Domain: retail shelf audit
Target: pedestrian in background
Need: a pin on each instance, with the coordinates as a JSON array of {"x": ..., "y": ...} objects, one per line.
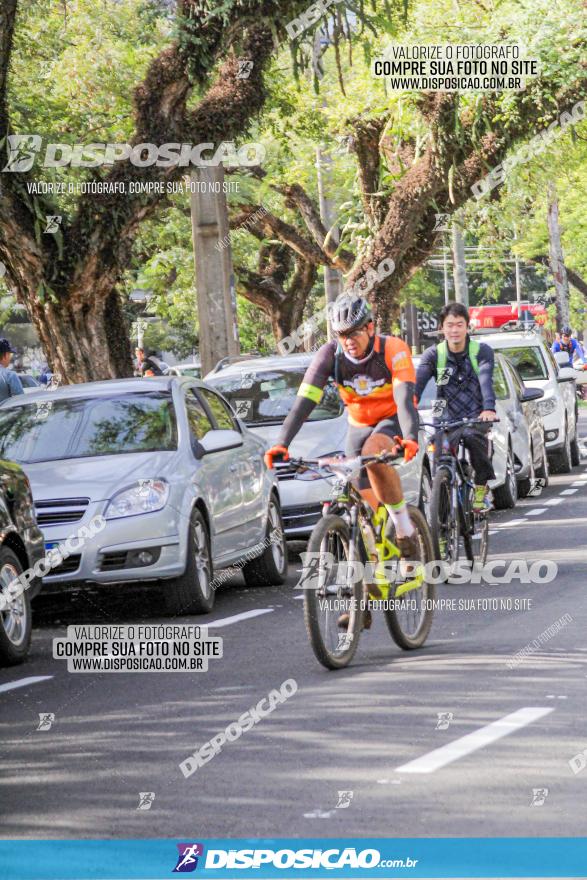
[
  {"x": 139, "y": 358},
  {"x": 10, "y": 384}
]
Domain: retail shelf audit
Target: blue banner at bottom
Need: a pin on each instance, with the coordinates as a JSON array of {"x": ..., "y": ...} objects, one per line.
[{"x": 292, "y": 858}]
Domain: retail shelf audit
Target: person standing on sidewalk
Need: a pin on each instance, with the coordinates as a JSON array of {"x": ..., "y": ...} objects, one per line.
[{"x": 10, "y": 384}]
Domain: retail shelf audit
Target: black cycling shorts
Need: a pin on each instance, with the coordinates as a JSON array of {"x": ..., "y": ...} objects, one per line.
[{"x": 357, "y": 436}]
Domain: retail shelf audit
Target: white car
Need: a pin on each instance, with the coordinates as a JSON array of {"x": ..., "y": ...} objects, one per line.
[
  {"x": 180, "y": 483},
  {"x": 262, "y": 392},
  {"x": 192, "y": 369},
  {"x": 538, "y": 368}
]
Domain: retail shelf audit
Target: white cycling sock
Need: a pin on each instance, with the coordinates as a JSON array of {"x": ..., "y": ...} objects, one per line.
[{"x": 404, "y": 527}]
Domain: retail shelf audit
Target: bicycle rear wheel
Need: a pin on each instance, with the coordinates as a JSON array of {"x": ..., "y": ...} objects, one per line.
[
  {"x": 408, "y": 616},
  {"x": 444, "y": 520},
  {"x": 334, "y": 590}
]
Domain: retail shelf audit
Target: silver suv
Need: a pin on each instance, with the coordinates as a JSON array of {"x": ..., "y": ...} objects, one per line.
[{"x": 538, "y": 368}]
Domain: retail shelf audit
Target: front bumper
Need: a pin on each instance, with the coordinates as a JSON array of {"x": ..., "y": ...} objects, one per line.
[
  {"x": 108, "y": 556},
  {"x": 301, "y": 504},
  {"x": 553, "y": 429}
]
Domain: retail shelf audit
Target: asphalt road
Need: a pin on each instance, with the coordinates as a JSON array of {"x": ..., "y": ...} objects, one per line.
[{"x": 116, "y": 735}]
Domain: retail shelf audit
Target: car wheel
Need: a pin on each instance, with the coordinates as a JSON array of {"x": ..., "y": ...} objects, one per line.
[
  {"x": 193, "y": 592},
  {"x": 563, "y": 460},
  {"x": 505, "y": 497},
  {"x": 524, "y": 486},
  {"x": 15, "y": 620},
  {"x": 425, "y": 493},
  {"x": 270, "y": 567},
  {"x": 575, "y": 453},
  {"x": 543, "y": 471}
]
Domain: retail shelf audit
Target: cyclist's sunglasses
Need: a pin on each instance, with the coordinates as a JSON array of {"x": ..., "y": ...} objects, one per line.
[{"x": 353, "y": 334}]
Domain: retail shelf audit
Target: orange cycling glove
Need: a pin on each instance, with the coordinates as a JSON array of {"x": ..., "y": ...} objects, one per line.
[
  {"x": 410, "y": 448},
  {"x": 278, "y": 452}
]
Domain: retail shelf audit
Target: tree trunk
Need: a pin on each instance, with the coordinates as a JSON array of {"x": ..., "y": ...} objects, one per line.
[{"x": 86, "y": 343}]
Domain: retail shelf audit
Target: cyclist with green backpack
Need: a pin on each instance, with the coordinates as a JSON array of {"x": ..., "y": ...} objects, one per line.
[{"x": 463, "y": 369}]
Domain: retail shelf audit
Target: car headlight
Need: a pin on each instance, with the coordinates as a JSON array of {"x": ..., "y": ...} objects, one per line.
[
  {"x": 146, "y": 496},
  {"x": 317, "y": 475},
  {"x": 547, "y": 406}
]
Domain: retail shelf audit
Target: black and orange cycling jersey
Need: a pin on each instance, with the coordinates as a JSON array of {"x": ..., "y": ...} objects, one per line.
[{"x": 378, "y": 386}]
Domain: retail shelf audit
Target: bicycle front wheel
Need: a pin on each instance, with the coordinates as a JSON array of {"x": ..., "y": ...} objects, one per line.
[
  {"x": 444, "y": 519},
  {"x": 334, "y": 588},
  {"x": 409, "y": 615}
]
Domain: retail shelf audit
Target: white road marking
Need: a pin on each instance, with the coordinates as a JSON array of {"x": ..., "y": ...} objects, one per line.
[
  {"x": 552, "y": 502},
  {"x": 514, "y": 522},
  {"x": 23, "y": 682},
  {"x": 579, "y": 483},
  {"x": 536, "y": 512},
  {"x": 473, "y": 741},
  {"x": 493, "y": 532},
  {"x": 298, "y": 597},
  {"x": 568, "y": 491},
  {"x": 236, "y": 618}
]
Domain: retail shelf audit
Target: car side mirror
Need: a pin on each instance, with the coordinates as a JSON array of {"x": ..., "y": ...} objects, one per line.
[
  {"x": 531, "y": 394},
  {"x": 566, "y": 374},
  {"x": 220, "y": 440}
]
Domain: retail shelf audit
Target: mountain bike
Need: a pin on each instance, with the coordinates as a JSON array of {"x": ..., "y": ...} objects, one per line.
[
  {"x": 340, "y": 570},
  {"x": 451, "y": 500}
]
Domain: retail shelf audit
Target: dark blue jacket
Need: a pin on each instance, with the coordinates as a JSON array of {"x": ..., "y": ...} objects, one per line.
[{"x": 466, "y": 394}]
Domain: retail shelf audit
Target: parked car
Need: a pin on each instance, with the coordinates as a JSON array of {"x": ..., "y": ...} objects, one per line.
[
  {"x": 513, "y": 435},
  {"x": 538, "y": 368},
  {"x": 21, "y": 547},
  {"x": 193, "y": 369},
  {"x": 180, "y": 482},
  {"x": 262, "y": 392},
  {"x": 523, "y": 412}
]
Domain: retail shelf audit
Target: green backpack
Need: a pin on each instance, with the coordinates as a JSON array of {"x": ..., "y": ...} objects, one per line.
[{"x": 442, "y": 357}]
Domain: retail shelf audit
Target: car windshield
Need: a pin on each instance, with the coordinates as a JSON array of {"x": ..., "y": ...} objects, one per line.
[
  {"x": 266, "y": 397},
  {"x": 54, "y": 429},
  {"x": 528, "y": 360},
  {"x": 27, "y": 381}
]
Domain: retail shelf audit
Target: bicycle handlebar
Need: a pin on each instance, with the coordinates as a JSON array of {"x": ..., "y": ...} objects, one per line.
[
  {"x": 330, "y": 461},
  {"x": 460, "y": 423}
]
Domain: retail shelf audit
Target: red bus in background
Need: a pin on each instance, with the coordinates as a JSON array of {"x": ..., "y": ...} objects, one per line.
[{"x": 495, "y": 316}]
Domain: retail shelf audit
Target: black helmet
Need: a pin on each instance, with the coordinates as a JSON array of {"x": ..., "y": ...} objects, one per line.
[
  {"x": 5, "y": 347},
  {"x": 566, "y": 331},
  {"x": 350, "y": 313}
]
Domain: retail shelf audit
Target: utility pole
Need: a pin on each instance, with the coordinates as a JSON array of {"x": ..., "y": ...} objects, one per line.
[
  {"x": 445, "y": 268},
  {"x": 333, "y": 283},
  {"x": 459, "y": 266},
  {"x": 518, "y": 278},
  {"x": 557, "y": 264},
  {"x": 332, "y": 276},
  {"x": 214, "y": 273}
]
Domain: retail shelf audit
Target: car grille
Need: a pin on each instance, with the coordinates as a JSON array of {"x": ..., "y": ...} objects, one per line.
[
  {"x": 301, "y": 516},
  {"x": 68, "y": 566},
  {"x": 285, "y": 470},
  {"x": 58, "y": 511}
]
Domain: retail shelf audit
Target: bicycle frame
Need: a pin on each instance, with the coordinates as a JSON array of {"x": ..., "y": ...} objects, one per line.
[{"x": 455, "y": 461}]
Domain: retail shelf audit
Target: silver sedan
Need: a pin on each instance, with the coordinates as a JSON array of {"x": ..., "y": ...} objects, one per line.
[{"x": 179, "y": 482}]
